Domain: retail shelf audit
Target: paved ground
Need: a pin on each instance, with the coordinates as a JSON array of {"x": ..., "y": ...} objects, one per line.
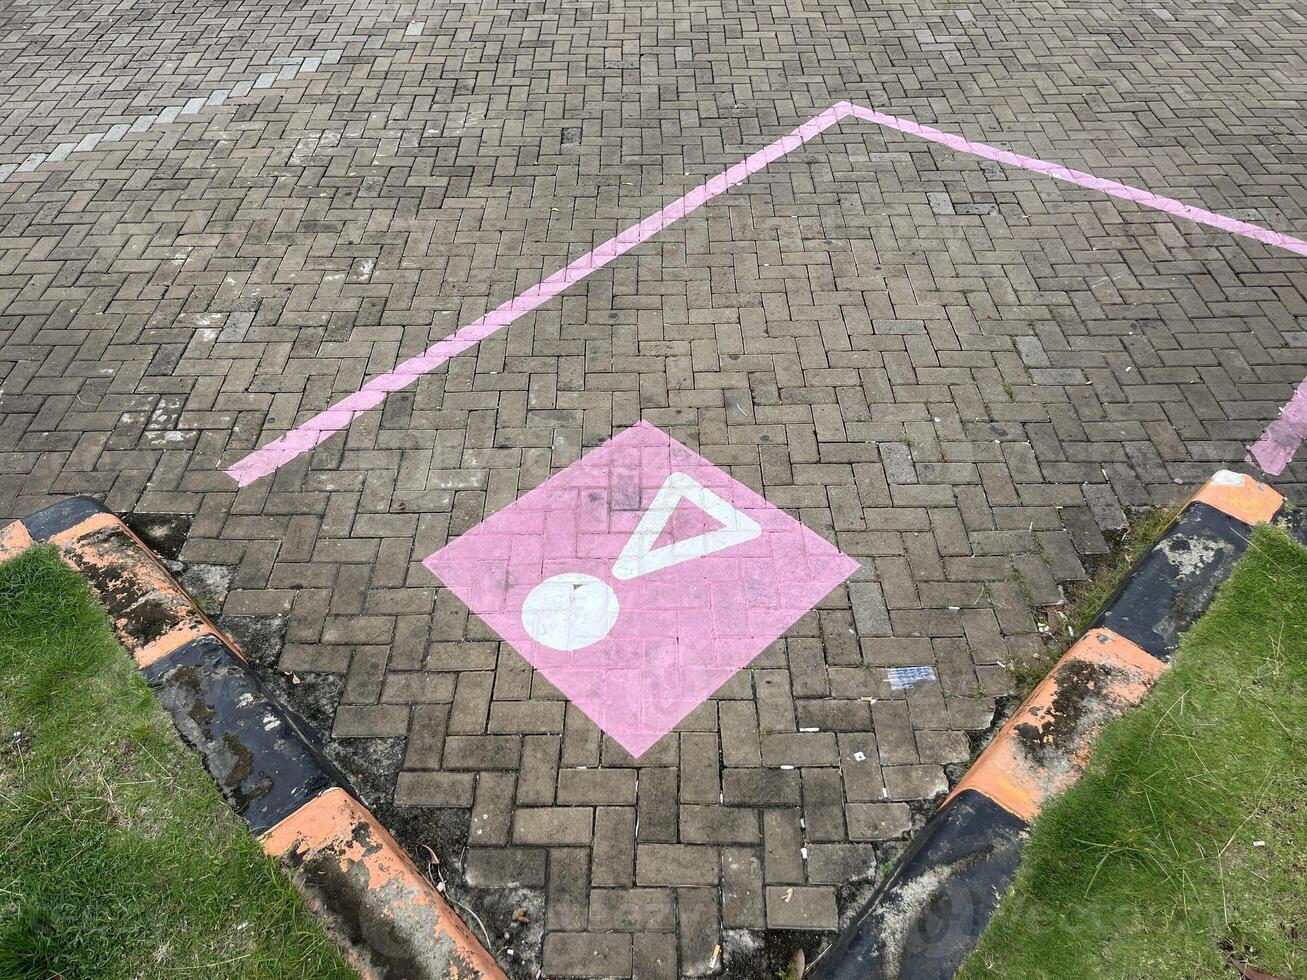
[{"x": 217, "y": 219}]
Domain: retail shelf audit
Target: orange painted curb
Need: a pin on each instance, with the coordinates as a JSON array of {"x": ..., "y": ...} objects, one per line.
[
  {"x": 389, "y": 918},
  {"x": 93, "y": 523},
  {"x": 135, "y": 588},
  {"x": 1045, "y": 745},
  {"x": 1240, "y": 496},
  {"x": 14, "y": 540},
  {"x": 158, "y": 649}
]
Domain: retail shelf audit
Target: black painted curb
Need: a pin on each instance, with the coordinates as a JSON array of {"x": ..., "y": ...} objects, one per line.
[
  {"x": 927, "y": 916},
  {"x": 45, "y": 523},
  {"x": 1173, "y": 583},
  {"x": 922, "y": 923},
  {"x": 257, "y": 751}
]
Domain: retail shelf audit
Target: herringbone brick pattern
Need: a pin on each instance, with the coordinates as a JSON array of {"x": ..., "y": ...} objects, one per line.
[{"x": 963, "y": 376}]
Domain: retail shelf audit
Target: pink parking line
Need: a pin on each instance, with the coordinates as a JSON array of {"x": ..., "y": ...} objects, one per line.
[
  {"x": 1124, "y": 191},
  {"x": 281, "y": 451},
  {"x": 1279, "y": 443},
  {"x": 320, "y": 427}
]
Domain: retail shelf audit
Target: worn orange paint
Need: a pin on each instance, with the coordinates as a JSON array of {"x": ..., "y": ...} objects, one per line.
[
  {"x": 166, "y": 644},
  {"x": 14, "y": 540},
  {"x": 1240, "y": 496},
  {"x": 1007, "y": 773},
  {"x": 333, "y": 827},
  {"x": 93, "y": 523},
  {"x": 147, "y": 576}
]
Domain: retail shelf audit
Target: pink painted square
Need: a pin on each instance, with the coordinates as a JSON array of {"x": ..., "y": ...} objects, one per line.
[{"x": 639, "y": 580}]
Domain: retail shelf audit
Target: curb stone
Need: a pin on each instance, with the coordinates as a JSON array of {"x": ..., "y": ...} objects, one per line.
[
  {"x": 926, "y": 917},
  {"x": 388, "y": 919}
]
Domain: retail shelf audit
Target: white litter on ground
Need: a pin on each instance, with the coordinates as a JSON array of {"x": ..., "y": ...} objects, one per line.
[{"x": 901, "y": 678}]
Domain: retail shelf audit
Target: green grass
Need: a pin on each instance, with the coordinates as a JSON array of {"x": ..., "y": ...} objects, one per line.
[
  {"x": 1187, "y": 838},
  {"x": 117, "y": 856}
]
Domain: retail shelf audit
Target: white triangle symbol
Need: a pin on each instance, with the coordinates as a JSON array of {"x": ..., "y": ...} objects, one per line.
[{"x": 640, "y": 557}]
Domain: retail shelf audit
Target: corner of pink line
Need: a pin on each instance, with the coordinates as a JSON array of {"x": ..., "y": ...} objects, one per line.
[{"x": 864, "y": 112}]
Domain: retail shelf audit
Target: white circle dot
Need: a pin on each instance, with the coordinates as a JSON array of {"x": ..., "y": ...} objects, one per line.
[{"x": 569, "y": 611}]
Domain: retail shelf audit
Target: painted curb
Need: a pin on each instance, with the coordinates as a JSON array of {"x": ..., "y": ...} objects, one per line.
[
  {"x": 221, "y": 711},
  {"x": 342, "y": 859},
  {"x": 388, "y": 919},
  {"x": 926, "y": 917}
]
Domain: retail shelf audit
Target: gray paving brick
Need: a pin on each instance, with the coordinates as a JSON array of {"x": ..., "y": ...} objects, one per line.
[
  {"x": 633, "y": 909},
  {"x": 588, "y": 954},
  {"x": 498, "y": 867},
  {"x": 654, "y": 956},
  {"x": 700, "y": 768},
  {"x": 742, "y": 896},
  {"x": 915, "y": 782},
  {"x": 675, "y": 864},
  {"x": 538, "y": 774},
  {"x": 435, "y": 789},
  {"x": 716, "y": 824},
  {"x": 799, "y": 749},
  {"x": 553, "y": 825},
  {"x": 492, "y": 809},
  {"x": 698, "y": 931},
  {"x": 760, "y": 787},
  {"x": 370, "y": 720},
  {"x": 795, "y": 907},
  {"x": 782, "y": 845},
  {"x": 823, "y": 804},
  {"x": 656, "y": 810},
  {"x": 482, "y": 752},
  {"x": 590, "y": 786},
  {"x": 614, "y": 846},
  {"x": 840, "y": 864},
  {"x": 567, "y": 901}
]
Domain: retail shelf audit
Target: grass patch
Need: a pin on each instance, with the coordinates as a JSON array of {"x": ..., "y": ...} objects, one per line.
[
  {"x": 1186, "y": 841},
  {"x": 117, "y": 856}
]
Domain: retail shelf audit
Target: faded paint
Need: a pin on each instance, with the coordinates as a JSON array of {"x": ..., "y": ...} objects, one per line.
[
  {"x": 1135, "y": 195},
  {"x": 902, "y": 678},
  {"x": 1189, "y": 556},
  {"x": 1279, "y": 443},
  {"x": 14, "y": 540},
  {"x": 1045, "y": 745},
  {"x": 95, "y": 522},
  {"x": 151, "y": 614},
  {"x": 141, "y": 123},
  {"x": 388, "y": 918}
]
